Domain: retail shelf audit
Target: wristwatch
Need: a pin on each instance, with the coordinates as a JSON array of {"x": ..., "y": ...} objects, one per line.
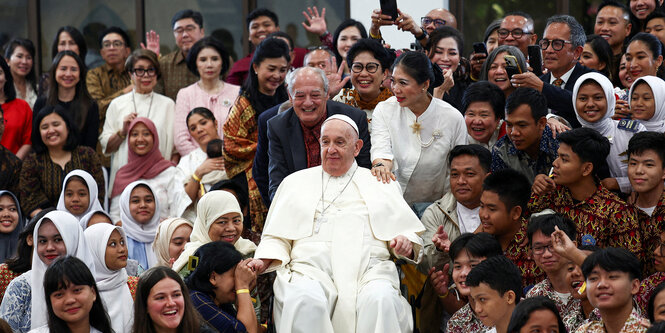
[{"x": 423, "y": 36}]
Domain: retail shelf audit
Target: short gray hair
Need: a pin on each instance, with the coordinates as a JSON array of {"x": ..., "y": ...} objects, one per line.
[
  {"x": 330, "y": 54},
  {"x": 577, "y": 34},
  {"x": 291, "y": 78}
]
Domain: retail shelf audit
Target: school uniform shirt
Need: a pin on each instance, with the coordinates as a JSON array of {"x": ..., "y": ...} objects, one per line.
[
  {"x": 651, "y": 225},
  {"x": 565, "y": 303}
]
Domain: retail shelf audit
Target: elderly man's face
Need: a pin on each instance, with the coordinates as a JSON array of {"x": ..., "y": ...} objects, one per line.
[
  {"x": 309, "y": 97},
  {"x": 339, "y": 147},
  {"x": 519, "y": 25},
  {"x": 321, "y": 59}
]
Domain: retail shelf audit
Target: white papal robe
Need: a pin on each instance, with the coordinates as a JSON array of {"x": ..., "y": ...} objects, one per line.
[{"x": 334, "y": 272}]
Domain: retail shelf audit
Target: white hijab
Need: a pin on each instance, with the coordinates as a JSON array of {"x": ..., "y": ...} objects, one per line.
[
  {"x": 92, "y": 191},
  {"x": 86, "y": 218},
  {"x": 210, "y": 207},
  {"x": 657, "y": 85},
  {"x": 72, "y": 236},
  {"x": 111, "y": 284},
  {"x": 605, "y": 125},
  {"x": 144, "y": 233},
  {"x": 163, "y": 238}
]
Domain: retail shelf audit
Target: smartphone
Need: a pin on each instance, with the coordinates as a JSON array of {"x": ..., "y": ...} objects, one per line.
[
  {"x": 512, "y": 67},
  {"x": 479, "y": 48},
  {"x": 535, "y": 59},
  {"x": 389, "y": 7}
]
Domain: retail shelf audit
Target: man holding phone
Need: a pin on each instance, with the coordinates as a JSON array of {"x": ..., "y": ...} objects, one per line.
[
  {"x": 435, "y": 18},
  {"x": 562, "y": 45}
]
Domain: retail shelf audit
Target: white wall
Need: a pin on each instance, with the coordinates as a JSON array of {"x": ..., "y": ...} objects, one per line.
[{"x": 361, "y": 10}]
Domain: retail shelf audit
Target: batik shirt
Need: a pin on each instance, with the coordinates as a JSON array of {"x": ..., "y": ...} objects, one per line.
[
  {"x": 567, "y": 309},
  {"x": 646, "y": 289},
  {"x": 632, "y": 325},
  {"x": 518, "y": 252},
  {"x": 505, "y": 155},
  {"x": 602, "y": 219},
  {"x": 650, "y": 228}
]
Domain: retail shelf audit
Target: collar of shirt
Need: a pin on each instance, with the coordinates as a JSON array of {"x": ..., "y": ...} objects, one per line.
[{"x": 563, "y": 77}]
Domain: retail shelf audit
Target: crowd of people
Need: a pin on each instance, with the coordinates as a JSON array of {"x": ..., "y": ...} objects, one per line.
[{"x": 346, "y": 187}]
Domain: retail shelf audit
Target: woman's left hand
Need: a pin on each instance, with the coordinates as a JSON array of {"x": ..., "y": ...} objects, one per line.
[
  {"x": 621, "y": 110},
  {"x": 448, "y": 83},
  {"x": 244, "y": 275}
]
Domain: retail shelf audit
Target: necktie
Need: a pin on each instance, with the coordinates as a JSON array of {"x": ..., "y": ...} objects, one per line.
[{"x": 558, "y": 82}]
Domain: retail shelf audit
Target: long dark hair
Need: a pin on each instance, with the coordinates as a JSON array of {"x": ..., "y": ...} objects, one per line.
[
  {"x": 269, "y": 48},
  {"x": 8, "y": 89},
  {"x": 418, "y": 66},
  {"x": 30, "y": 47},
  {"x": 76, "y": 35},
  {"x": 72, "y": 135},
  {"x": 82, "y": 100},
  {"x": 142, "y": 320},
  {"x": 603, "y": 51},
  {"x": 72, "y": 271},
  {"x": 345, "y": 24},
  {"x": 22, "y": 261}
]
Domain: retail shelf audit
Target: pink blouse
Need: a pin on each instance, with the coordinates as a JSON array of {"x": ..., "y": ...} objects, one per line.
[{"x": 192, "y": 97}]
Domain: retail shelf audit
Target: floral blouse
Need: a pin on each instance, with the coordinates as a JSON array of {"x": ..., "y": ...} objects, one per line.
[
  {"x": 16, "y": 305},
  {"x": 465, "y": 320}
]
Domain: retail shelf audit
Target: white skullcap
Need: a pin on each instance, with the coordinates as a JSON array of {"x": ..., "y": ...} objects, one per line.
[{"x": 345, "y": 119}]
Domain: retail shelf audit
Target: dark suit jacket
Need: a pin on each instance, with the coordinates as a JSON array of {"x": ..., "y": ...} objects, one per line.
[
  {"x": 260, "y": 166},
  {"x": 287, "y": 146},
  {"x": 561, "y": 100}
]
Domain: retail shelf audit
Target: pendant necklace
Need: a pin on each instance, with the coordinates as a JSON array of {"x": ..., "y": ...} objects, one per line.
[
  {"x": 149, "y": 107},
  {"x": 322, "y": 219}
]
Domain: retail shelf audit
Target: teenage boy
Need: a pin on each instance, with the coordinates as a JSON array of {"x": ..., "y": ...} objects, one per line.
[
  {"x": 601, "y": 217},
  {"x": 612, "y": 279},
  {"x": 467, "y": 251},
  {"x": 646, "y": 172},
  {"x": 502, "y": 208},
  {"x": 496, "y": 288},
  {"x": 555, "y": 285},
  {"x": 529, "y": 145}
]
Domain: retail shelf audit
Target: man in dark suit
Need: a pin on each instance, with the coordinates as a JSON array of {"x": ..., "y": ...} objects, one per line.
[
  {"x": 562, "y": 45},
  {"x": 293, "y": 135}
]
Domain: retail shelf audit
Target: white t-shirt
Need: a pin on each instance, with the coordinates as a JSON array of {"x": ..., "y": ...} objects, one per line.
[
  {"x": 648, "y": 210},
  {"x": 468, "y": 218}
]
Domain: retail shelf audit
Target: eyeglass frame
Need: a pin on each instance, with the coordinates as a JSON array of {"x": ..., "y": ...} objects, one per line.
[
  {"x": 431, "y": 20},
  {"x": 188, "y": 28},
  {"x": 551, "y": 42},
  {"x": 116, "y": 44},
  {"x": 141, "y": 72},
  {"x": 513, "y": 32},
  {"x": 540, "y": 250},
  {"x": 364, "y": 67}
]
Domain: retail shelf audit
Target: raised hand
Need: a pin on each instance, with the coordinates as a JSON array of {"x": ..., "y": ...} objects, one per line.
[
  {"x": 440, "y": 280},
  {"x": 316, "y": 23},
  {"x": 151, "y": 41},
  {"x": 441, "y": 240}
]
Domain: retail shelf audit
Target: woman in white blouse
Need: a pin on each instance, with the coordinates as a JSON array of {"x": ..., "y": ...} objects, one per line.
[
  {"x": 140, "y": 102},
  {"x": 207, "y": 60},
  {"x": 412, "y": 132}
]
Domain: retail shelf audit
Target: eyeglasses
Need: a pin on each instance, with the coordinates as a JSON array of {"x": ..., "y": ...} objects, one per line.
[
  {"x": 437, "y": 22},
  {"x": 517, "y": 33},
  {"x": 539, "y": 250},
  {"x": 116, "y": 43},
  {"x": 190, "y": 28},
  {"x": 142, "y": 71},
  {"x": 371, "y": 67},
  {"x": 557, "y": 44}
]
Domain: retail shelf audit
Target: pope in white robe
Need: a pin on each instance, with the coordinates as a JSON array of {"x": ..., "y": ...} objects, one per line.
[{"x": 330, "y": 235}]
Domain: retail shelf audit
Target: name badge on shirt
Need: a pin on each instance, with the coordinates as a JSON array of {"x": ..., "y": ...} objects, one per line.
[{"x": 628, "y": 125}]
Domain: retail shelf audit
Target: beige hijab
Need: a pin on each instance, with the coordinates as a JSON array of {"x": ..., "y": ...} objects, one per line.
[{"x": 163, "y": 238}]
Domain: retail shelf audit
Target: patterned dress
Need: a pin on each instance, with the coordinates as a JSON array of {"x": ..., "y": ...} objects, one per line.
[
  {"x": 632, "y": 325},
  {"x": 240, "y": 137},
  {"x": 566, "y": 309},
  {"x": 603, "y": 218}
]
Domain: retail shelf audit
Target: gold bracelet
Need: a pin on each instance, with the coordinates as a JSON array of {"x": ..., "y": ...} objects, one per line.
[
  {"x": 198, "y": 180},
  {"x": 202, "y": 188},
  {"x": 373, "y": 36},
  {"x": 445, "y": 295},
  {"x": 242, "y": 291}
]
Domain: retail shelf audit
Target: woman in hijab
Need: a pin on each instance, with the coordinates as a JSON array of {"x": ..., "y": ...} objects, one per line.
[
  {"x": 10, "y": 211},
  {"x": 145, "y": 162},
  {"x": 94, "y": 217},
  {"x": 594, "y": 102},
  {"x": 219, "y": 219},
  {"x": 57, "y": 234},
  {"x": 172, "y": 236},
  {"x": 79, "y": 194},
  {"x": 138, "y": 213},
  {"x": 647, "y": 102},
  {"x": 108, "y": 245}
]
